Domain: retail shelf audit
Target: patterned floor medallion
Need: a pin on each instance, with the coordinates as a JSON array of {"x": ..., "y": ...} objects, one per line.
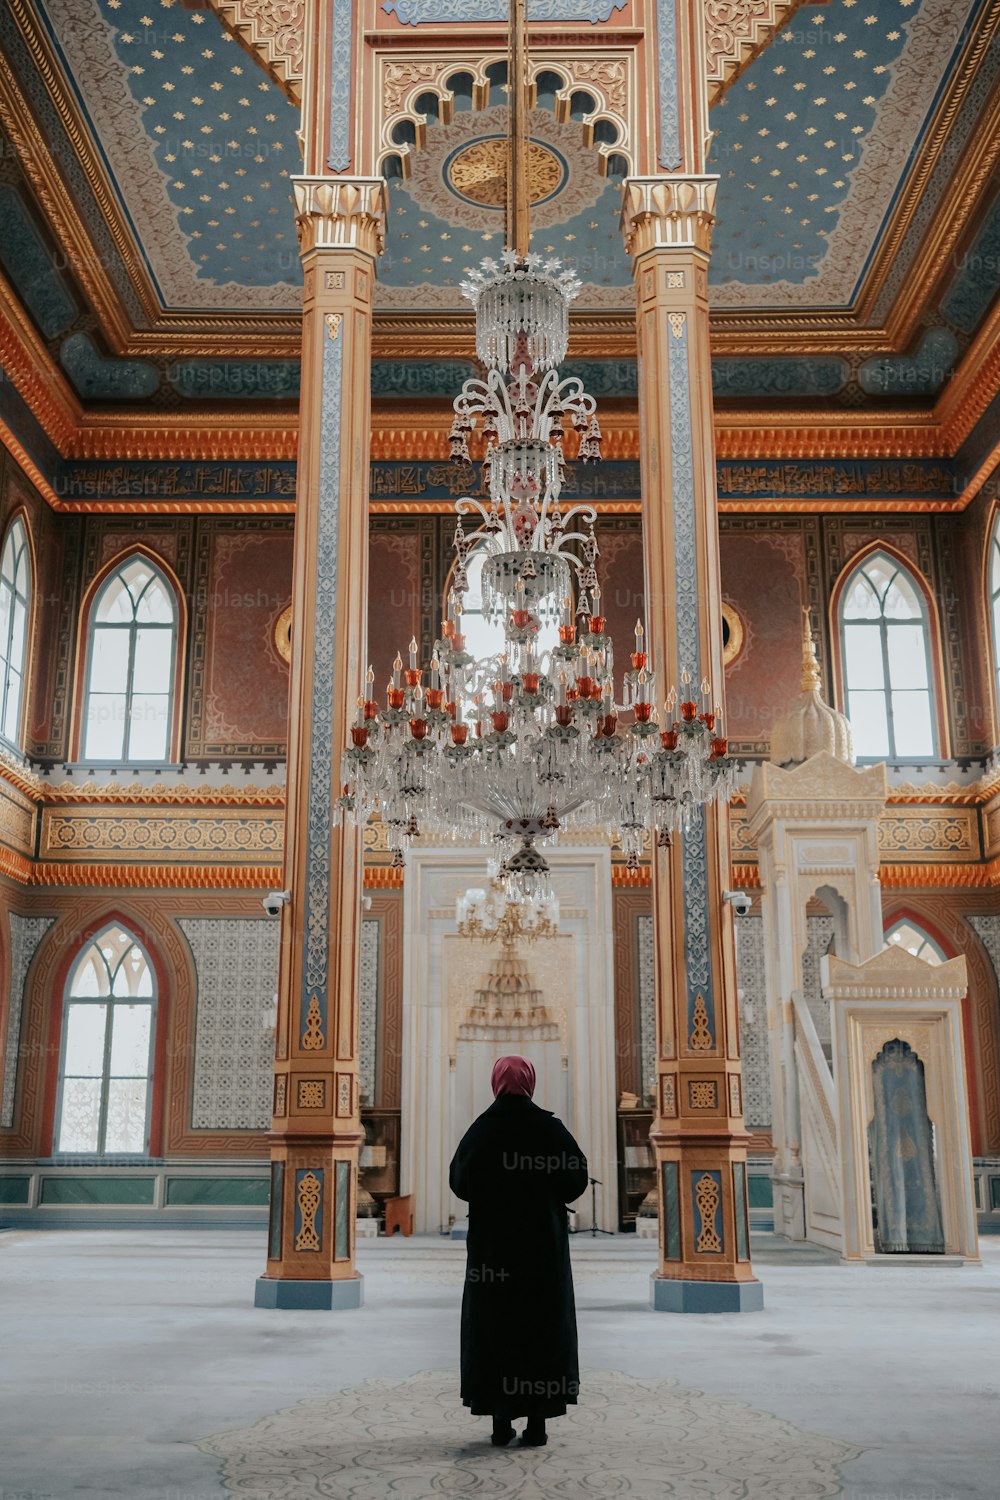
[{"x": 411, "y": 1440}]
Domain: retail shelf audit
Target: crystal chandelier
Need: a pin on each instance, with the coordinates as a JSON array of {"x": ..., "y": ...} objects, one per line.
[
  {"x": 496, "y": 914},
  {"x": 519, "y": 745}
]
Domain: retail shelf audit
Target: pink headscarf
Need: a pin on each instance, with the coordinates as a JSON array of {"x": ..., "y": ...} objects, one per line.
[{"x": 513, "y": 1075}]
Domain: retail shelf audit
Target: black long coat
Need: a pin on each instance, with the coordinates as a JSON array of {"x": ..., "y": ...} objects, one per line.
[{"x": 518, "y": 1167}]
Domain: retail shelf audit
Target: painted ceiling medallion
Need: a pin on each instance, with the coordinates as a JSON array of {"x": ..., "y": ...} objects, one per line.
[{"x": 478, "y": 172}]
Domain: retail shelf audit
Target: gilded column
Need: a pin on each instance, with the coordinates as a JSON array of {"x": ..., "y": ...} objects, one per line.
[
  {"x": 316, "y": 1129},
  {"x": 698, "y": 1131}
]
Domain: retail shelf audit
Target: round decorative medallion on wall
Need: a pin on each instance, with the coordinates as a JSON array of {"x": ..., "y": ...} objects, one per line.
[
  {"x": 478, "y": 172},
  {"x": 283, "y": 634},
  {"x": 733, "y": 633}
]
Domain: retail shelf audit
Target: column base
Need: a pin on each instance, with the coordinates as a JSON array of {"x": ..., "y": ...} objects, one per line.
[
  {"x": 668, "y": 1295},
  {"x": 326, "y": 1295}
]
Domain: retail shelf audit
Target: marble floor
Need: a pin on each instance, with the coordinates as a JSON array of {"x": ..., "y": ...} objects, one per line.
[{"x": 132, "y": 1363}]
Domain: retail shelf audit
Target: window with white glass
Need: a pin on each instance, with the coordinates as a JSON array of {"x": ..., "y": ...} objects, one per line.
[
  {"x": 907, "y": 935},
  {"x": 484, "y": 639},
  {"x": 132, "y": 647},
  {"x": 15, "y": 602},
  {"x": 995, "y": 603},
  {"x": 105, "y": 1075},
  {"x": 886, "y": 656}
]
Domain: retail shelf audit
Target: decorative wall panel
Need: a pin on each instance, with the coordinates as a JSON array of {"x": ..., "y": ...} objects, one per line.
[
  {"x": 25, "y": 935},
  {"x": 768, "y": 574},
  {"x": 163, "y": 833},
  {"x": 236, "y": 961},
  {"x": 368, "y": 984},
  {"x": 751, "y": 980},
  {"x": 238, "y": 700},
  {"x": 647, "y": 1003}
]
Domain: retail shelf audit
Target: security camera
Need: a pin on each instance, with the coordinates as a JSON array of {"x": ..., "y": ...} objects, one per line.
[
  {"x": 739, "y": 901},
  {"x": 274, "y": 901}
]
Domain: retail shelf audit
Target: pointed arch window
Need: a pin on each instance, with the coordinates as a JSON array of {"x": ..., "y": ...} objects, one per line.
[
  {"x": 887, "y": 663},
  {"x": 15, "y": 606},
  {"x": 995, "y": 605},
  {"x": 105, "y": 1075},
  {"x": 131, "y": 655},
  {"x": 905, "y": 933}
]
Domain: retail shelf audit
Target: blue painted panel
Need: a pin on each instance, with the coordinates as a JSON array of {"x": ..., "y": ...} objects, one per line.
[
  {"x": 975, "y": 283},
  {"x": 762, "y": 378},
  {"x": 96, "y": 377},
  {"x": 671, "y": 1211},
  {"x": 223, "y": 137},
  {"x": 813, "y": 96},
  {"x": 323, "y": 752},
  {"x": 236, "y": 380},
  {"x": 29, "y": 266},
  {"x": 669, "y": 156},
  {"x": 341, "y": 58},
  {"x": 276, "y": 1214},
  {"x": 919, "y": 374}
]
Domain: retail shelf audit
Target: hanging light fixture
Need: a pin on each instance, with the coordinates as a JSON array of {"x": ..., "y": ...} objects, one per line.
[
  {"x": 498, "y": 914},
  {"x": 517, "y": 746}
]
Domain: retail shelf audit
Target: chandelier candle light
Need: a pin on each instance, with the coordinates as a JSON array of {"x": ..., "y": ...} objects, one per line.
[{"x": 516, "y": 746}]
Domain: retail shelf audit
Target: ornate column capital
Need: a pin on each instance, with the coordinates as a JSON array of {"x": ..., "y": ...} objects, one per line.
[
  {"x": 668, "y": 212},
  {"x": 340, "y": 213}
]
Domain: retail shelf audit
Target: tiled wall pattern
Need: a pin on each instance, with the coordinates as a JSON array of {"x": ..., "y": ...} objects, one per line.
[
  {"x": 819, "y": 932},
  {"x": 236, "y": 959},
  {"x": 753, "y": 1022},
  {"x": 25, "y": 935},
  {"x": 988, "y": 929},
  {"x": 647, "y": 1017},
  {"x": 368, "y": 977}
]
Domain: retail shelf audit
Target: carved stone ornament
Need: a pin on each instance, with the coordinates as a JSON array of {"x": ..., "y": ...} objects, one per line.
[
  {"x": 340, "y": 213},
  {"x": 735, "y": 32},
  {"x": 895, "y": 974},
  {"x": 272, "y": 30},
  {"x": 668, "y": 212},
  {"x": 822, "y": 787}
]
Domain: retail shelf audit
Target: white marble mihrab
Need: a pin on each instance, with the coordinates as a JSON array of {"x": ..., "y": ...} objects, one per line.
[{"x": 411, "y": 1439}]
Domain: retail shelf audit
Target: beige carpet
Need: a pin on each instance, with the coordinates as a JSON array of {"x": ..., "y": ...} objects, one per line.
[{"x": 412, "y": 1440}]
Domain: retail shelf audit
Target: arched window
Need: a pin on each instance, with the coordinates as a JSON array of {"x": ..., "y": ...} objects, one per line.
[
  {"x": 886, "y": 655},
  {"x": 906, "y": 934},
  {"x": 15, "y": 602},
  {"x": 995, "y": 603},
  {"x": 483, "y": 639},
  {"x": 130, "y": 666},
  {"x": 107, "y": 1049}
]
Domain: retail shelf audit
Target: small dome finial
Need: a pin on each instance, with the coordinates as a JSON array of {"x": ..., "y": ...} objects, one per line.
[
  {"x": 810, "y": 725},
  {"x": 811, "y": 679}
]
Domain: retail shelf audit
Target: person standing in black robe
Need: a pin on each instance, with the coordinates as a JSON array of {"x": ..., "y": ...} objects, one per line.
[{"x": 517, "y": 1166}]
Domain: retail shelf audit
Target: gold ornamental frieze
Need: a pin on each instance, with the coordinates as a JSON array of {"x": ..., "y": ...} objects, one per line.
[{"x": 185, "y": 835}]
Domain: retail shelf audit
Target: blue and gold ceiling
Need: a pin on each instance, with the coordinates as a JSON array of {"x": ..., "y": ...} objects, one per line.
[{"x": 812, "y": 143}]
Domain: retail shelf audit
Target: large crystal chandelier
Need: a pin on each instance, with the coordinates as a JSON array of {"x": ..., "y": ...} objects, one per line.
[{"x": 517, "y": 746}]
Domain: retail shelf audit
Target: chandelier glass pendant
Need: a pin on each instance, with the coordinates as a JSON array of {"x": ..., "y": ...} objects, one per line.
[{"x": 519, "y": 745}]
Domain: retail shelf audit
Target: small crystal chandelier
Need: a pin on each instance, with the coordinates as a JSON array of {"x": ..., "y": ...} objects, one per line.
[
  {"x": 520, "y": 745},
  {"x": 496, "y": 914}
]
